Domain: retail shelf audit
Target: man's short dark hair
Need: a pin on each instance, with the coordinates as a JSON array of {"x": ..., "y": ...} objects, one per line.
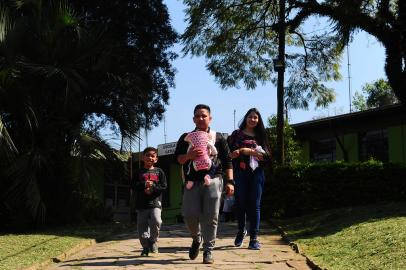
[
  {"x": 201, "y": 106},
  {"x": 148, "y": 149}
]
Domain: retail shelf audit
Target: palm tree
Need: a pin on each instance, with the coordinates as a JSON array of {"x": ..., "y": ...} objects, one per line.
[{"x": 62, "y": 78}]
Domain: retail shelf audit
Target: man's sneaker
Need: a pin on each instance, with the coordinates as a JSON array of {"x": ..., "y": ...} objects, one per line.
[
  {"x": 207, "y": 257},
  {"x": 194, "y": 249},
  {"x": 254, "y": 244},
  {"x": 145, "y": 251},
  {"x": 239, "y": 238},
  {"x": 153, "y": 247}
]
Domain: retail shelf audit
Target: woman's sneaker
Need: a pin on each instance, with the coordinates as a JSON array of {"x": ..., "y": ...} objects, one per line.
[
  {"x": 254, "y": 244},
  {"x": 239, "y": 238}
]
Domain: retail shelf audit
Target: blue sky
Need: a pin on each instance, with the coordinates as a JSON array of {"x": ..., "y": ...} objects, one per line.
[{"x": 195, "y": 85}]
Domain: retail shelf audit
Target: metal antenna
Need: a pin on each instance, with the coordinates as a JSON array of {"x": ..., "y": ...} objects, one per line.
[
  {"x": 349, "y": 76},
  {"x": 234, "y": 119},
  {"x": 146, "y": 137},
  {"x": 164, "y": 128}
]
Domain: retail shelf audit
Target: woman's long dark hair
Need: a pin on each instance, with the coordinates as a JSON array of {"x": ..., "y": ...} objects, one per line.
[{"x": 259, "y": 130}]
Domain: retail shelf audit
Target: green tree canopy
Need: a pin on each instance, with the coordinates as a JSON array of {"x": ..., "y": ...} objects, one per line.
[
  {"x": 292, "y": 148},
  {"x": 66, "y": 71},
  {"x": 375, "y": 94},
  {"x": 239, "y": 39}
]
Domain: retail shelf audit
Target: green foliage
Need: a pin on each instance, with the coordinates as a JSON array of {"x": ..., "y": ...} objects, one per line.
[
  {"x": 303, "y": 188},
  {"x": 67, "y": 70},
  {"x": 366, "y": 237},
  {"x": 239, "y": 39},
  {"x": 240, "y": 42},
  {"x": 378, "y": 93},
  {"x": 292, "y": 147},
  {"x": 359, "y": 102}
]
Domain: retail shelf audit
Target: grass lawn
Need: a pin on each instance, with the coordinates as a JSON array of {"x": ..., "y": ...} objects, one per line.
[
  {"x": 26, "y": 249},
  {"x": 367, "y": 237}
]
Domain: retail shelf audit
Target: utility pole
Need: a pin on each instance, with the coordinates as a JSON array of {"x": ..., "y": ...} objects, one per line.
[
  {"x": 129, "y": 181},
  {"x": 279, "y": 65},
  {"x": 234, "y": 119},
  {"x": 139, "y": 147}
]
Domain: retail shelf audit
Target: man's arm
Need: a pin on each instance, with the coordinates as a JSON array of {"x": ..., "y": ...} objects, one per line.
[
  {"x": 192, "y": 154},
  {"x": 230, "y": 179},
  {"x": 224, "y": 155},
  {"x": 181, "y": 152}
]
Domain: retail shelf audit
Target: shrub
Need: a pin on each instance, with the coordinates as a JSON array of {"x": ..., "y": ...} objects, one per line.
[{"x": 301, "y": 188}]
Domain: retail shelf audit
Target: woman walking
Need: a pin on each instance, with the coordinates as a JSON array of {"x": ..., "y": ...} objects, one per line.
[{"x": 249, "y": 150}]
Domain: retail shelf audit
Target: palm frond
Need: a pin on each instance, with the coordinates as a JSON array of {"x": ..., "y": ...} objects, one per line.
[
  {"x": 20, "y": 191},
  {"x": 5, "y": 23},
  {"x": 8, "y": 150}
]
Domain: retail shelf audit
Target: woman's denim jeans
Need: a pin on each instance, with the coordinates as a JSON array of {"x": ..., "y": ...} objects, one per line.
[{"x": 248, "y": 192}]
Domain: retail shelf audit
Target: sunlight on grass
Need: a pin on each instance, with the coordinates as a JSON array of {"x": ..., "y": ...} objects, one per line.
[
  {"x": 18, "y": 251},
  {"x": 369, "y": 237},
  {"x": 23, "y": 250}
]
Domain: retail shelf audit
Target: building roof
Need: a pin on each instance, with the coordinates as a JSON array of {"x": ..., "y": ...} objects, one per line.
[{"x": 369, "y": 119}]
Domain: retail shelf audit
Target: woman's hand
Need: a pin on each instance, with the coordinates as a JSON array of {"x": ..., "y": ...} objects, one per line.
[
  {"x": 252, "y": 152},
  {"x": 247, "y": 151}
]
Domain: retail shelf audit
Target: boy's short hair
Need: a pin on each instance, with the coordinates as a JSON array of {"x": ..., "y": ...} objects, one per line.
[
  {"x": 201, "y": 106},
  {"x": 150, "y": 148}
]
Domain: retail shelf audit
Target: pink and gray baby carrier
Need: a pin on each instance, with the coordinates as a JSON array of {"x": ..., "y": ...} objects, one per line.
[{"x": 204, "y": 141}]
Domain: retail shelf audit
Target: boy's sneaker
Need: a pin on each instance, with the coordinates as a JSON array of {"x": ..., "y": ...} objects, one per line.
[
  {"x": 153, "y": 247},
  {"x": 194, "y": 249},
  {"x": 254, "y": 244},
  {"x": 239, "y": 238},
  {"x": 208, "y": 257},
  {"x": 145, "y": 251}
]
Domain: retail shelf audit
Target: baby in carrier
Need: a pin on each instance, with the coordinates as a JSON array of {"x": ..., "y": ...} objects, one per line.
[{"x": 203, "y": 166}]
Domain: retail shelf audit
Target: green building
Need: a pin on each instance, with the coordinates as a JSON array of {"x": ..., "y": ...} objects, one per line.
[{"x": 378, "y": 133}]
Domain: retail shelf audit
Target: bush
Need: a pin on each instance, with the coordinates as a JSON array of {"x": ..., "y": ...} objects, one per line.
[{"x": 302, "y": 188}]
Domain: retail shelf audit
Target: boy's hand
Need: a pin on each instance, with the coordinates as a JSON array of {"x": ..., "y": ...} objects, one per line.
[
  {"x": 148, "y": 191},
  {"x": 149, "y": 184}
]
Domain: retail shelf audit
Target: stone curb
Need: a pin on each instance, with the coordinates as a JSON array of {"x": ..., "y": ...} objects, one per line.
[{"x": 296, "y": 247}]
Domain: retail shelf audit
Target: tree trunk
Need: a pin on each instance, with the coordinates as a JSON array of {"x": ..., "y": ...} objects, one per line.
[{"x": 280, "y": 91}]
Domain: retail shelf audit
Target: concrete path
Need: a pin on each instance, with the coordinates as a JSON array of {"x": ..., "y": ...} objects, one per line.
[{"x": 123, "y": 252}]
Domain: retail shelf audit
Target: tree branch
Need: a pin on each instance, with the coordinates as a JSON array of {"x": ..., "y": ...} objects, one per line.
[
  {"x": 354, "y": 17},
  {"x": 304, "y": 47}
]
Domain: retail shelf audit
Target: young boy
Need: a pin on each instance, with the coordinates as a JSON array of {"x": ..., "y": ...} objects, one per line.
[
  {"x": 228, "y": 205},
  {"x": 148, "y": 185}
]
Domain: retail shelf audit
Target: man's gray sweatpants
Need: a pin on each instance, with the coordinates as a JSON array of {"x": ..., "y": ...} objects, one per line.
[
  {"x": 200, "y": 209},
  {"x": 148, "y": 224}
]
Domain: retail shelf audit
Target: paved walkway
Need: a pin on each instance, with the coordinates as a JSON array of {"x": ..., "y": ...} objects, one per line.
[{"x": 123, "y": 252}]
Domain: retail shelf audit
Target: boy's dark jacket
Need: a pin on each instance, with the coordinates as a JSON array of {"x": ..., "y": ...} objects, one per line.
[{"x": 153, "y": 200}]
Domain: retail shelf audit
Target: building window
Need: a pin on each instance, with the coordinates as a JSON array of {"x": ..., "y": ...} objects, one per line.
[
  {"x": 323, "y": 150},
  {"x": 374, "y": 144}
]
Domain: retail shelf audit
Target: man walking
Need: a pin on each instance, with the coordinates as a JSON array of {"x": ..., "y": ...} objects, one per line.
[{"x": 200, "y": 204}]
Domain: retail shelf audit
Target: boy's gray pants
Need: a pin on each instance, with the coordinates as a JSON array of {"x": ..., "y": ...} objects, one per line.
[
  {"x": 200, "y": 209},
  {"x": 148, "y": 224}
]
